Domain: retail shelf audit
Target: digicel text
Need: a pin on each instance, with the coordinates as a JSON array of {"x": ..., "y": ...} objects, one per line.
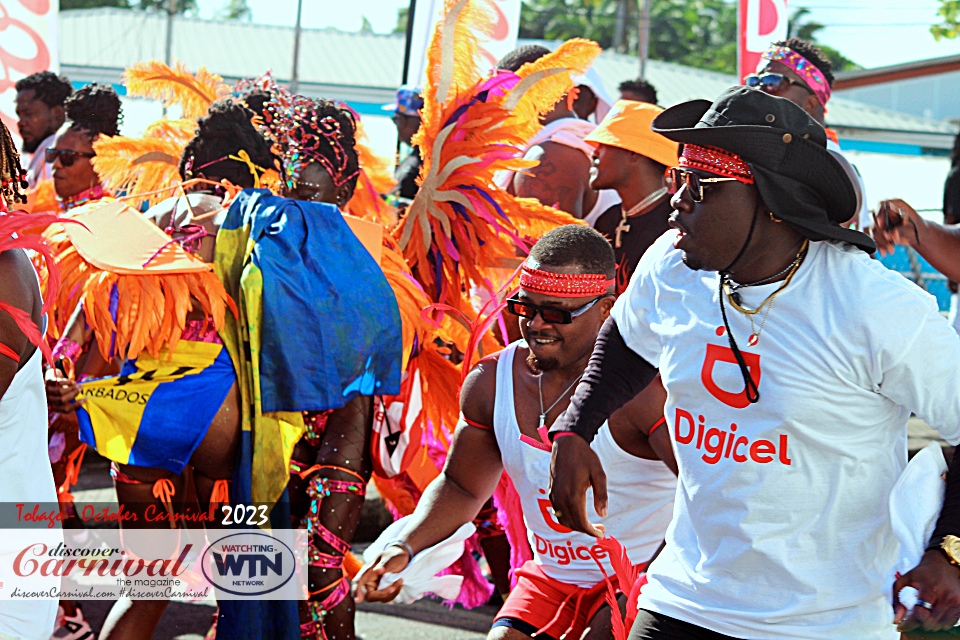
[{"x": 720, "y": 444}]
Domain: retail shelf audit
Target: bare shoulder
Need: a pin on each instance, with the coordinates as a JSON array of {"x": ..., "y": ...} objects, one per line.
[{"x": 479, "y": 390}]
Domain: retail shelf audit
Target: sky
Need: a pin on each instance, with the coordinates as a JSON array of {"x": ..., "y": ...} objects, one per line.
[{"x": 872, "y": 33}]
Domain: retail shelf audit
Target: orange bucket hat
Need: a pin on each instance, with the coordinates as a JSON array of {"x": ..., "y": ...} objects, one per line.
[{"x": 627, "y": 126}]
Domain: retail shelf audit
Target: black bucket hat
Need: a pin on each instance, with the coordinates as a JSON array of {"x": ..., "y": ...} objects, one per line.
[{"x": 786, "y": 149}]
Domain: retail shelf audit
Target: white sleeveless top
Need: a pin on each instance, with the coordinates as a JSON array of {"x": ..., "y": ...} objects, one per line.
[
  {"x": 26, "y": 477},
  {"x": 640, "y": 494}
]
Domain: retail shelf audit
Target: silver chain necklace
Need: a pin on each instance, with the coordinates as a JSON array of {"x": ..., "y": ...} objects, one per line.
[{"x": 544, "y": 412}]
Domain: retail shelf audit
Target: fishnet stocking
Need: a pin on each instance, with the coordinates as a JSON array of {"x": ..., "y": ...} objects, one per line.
[{"x": 345, "y": 443}]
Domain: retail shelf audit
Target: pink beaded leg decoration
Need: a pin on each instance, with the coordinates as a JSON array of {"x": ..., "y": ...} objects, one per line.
[{"x": 337, "y": 591}]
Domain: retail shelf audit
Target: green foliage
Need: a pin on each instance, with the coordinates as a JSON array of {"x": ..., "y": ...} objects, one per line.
[
  {"x": 67, "y": 5},
  {"x": 366, "y": 26},
  {"x": 236, "y": 10},
  {"x": 695, "y": 33},
  {"x": 799, "y": 27},
  {"x": 402, "y": 16},
  {"x": 182, "y": 6},
  {"x": 949, "y": 13}
]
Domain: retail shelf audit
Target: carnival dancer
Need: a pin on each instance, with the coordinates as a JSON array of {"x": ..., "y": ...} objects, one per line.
[
  {"x": 565, "y": 295},
  {"x": 632, "y": 160},
  {"x": 561, "y": 178},
  {"x": 799, "y": 71},
  {"x": 318, "y": 139},
  {"x": 40, "y": 112},
  {"x": 25, "y": 474},
  {"x": 781, "y": 527},
  {"x": 202, "y": 403}
]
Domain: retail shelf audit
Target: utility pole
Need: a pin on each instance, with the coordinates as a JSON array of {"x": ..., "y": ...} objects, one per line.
[
  {"x": 295, "y": 75},
  {"x": 168, "y": 51},
  {"x": 644, "y": 48},
  {"x": 408, "y": 42},
  {"x": 620, "y": 31}
]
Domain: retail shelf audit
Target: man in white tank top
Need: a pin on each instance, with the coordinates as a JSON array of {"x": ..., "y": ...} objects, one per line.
[
  {"x": 25, "y": 474},
  {"x": 508, "y": 402}
]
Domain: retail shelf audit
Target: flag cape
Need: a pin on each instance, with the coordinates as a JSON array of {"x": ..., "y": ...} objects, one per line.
[{"x": 318, "y": 323}]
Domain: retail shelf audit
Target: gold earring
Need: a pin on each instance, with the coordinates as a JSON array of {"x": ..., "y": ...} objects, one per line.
[{"x": 775, "y": 218}]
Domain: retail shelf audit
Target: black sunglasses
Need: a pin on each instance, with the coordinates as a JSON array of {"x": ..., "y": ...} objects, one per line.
[
  {"x": 694, "y": 183},
  {"x": 550, "y": 315},
  {"x": 773, "y": 82},
  {"x": 67, "y": 156}
]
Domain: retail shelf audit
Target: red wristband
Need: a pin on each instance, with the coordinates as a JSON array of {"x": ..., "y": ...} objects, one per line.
[
  {"x": 562, "y": 434},
  {"x": 659, "y": 422}
]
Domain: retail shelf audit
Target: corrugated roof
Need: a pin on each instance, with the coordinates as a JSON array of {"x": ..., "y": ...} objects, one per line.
[{"x": 370, "y": 65}]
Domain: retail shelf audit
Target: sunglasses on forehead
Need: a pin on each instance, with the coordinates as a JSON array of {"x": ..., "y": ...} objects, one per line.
[
  {"x": 680, "y": 178},
  {"x": 550, "y": 315},
  {"x": 773, "y": 82},
  {"x": 67, "y": 156}
]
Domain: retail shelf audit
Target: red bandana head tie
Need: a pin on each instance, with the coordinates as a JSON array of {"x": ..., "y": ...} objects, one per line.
[
  {"x": 723, "y": 163},
  {"x": 564, "y": 285}
]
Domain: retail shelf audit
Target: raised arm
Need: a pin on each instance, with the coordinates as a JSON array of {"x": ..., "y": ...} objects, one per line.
[
  {"x": 455, "y": 497},
  {"x": 896, "y": 222}
]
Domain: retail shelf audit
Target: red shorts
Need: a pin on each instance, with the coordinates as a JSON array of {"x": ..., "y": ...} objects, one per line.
[{"x": 551, "y": 607}]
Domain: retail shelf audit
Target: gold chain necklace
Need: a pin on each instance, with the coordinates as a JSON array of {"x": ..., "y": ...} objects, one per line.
[{"x": 733, "y": 298}]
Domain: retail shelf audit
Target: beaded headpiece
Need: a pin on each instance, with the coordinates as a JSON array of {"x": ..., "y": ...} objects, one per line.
[
  {"x": 564, "y": 285},
  {"x": 718, "y": 161},
  {"x": 304, "y": 137},
  {"x": 803, "y": 68}
]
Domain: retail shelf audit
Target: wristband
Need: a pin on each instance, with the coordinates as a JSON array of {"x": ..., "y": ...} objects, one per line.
[
  {"x": 562, "y": 434},
  {"x": 402, "y": 544}
]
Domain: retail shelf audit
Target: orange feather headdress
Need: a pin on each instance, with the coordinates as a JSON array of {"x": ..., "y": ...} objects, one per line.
[{"x": 461, "y": 227}]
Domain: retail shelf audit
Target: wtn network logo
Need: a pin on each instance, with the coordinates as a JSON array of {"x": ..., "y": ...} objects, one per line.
[{"x": 249, "y": 564}]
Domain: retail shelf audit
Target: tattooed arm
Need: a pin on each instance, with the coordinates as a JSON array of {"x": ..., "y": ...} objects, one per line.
[{"x": 561, "y": 180}]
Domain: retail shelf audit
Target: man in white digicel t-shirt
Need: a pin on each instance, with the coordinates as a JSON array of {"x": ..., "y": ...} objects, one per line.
[{"x": 788, "y": 391}]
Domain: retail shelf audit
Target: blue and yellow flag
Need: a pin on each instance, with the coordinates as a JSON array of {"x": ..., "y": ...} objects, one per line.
[
  {"x": 156, "y": 412},
  {"x": 318, "y": 325}
]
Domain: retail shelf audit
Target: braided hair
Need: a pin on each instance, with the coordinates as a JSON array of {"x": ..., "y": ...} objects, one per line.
[
  {"x": 13, "y": 179},
  {"x": 226, "y": 130},
  {"x": 94, "y": 110}
]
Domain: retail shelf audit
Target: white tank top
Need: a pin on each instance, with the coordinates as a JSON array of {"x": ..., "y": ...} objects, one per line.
[
  {"x": 26, "y": 477},
  {"x": 640, "y": 494}
]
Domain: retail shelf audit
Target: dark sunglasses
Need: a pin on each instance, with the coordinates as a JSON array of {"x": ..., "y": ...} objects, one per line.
[
  {"x": 67, "y": 156},
  {"x": 550, "y": 315},
  {"x": 773, "y": 82},
  {"x": 694, "y": 183}
]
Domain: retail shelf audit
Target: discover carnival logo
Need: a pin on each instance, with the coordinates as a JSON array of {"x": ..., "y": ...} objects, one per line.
[{"x": 248, "y": 564}]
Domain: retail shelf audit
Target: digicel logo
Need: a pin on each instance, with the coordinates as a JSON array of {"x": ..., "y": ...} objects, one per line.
[
  {"x": 724, "y": 443},
  {"x": 719, "y": 443},
  {"x": 716, "y": 353}
]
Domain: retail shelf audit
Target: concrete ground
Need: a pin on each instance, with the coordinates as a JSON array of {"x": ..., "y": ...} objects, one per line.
[{"x": 424, "y": 620}]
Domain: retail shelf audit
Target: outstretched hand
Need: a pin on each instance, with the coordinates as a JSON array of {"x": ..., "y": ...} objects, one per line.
[
  {"x": 574, "y": 468},
  {"x": 895, "y": 222},
  {"x": 392, "y": 560},
  {"x": 938, "y": 582}
]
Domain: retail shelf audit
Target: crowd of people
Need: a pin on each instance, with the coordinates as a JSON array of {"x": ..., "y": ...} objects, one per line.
[{"x": 646, "y": 353}]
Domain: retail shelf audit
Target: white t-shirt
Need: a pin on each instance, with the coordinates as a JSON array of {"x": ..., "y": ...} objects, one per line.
[
  {"x": 781, "y": 527},
  {"x": 39, "y": 169},
  {"x": 640, "y": 495}
]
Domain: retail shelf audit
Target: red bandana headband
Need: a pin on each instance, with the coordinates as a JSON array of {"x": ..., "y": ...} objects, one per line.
[
  {"x": 564, "y": 285},
  {"x": 718, "y": 161},
  {"x": 803, "y": 68}
]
